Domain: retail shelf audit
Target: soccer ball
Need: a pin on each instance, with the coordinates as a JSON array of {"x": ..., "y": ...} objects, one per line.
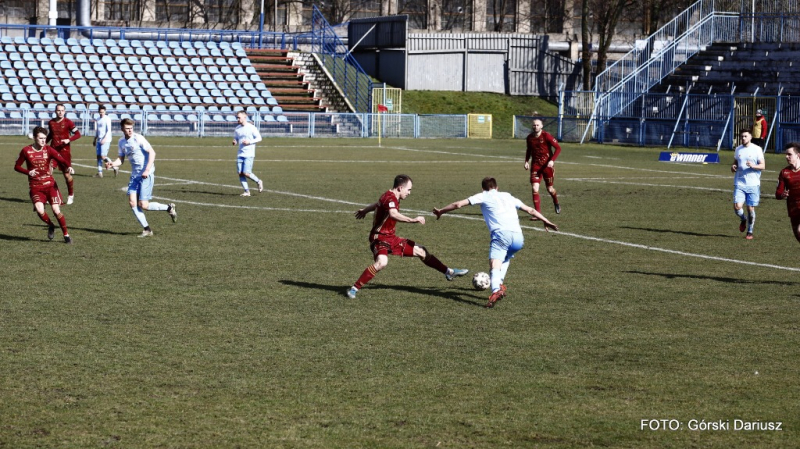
[{"x": 481, "y": 281}]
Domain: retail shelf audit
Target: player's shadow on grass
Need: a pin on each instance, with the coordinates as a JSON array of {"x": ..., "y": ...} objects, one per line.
[
  {"x": 92, "y": 230},
  {"x": 713, "y": 278},
  {"x": 16, "y": 238},
  {"x": 340, "y": 291},
  {"x": 673, "y": 231},
  {"x": 15, "y": 200}
]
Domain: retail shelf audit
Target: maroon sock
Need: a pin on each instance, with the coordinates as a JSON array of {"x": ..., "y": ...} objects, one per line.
[
  {"x": 62, "y": 222},
  {"x": 555, "y": 197},
  {"x": 70, "y": 189},
  {"x": 537, "y": 202},
  {"x": 431, "y": 261},
  {"x": 45, "y": 218},
  {"x": 365, "y": 277}
]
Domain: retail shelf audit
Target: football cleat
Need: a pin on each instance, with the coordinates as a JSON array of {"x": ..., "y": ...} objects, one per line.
[
  {"x": 352, "y": 293},
  {"x": 742, "y": 225},
  {"x": 51, "y": 231},
  {"x": 173, "y": 212},
  {"x": 496, "y": 296},
  {"x": 558, "y": 208},
  {"x": 456, "y": 273},
  {"x": 749, "y": 236},
  {"x": 68, "y": 240},
  {"x": 503, "y": 289},
  {"x": 246, "y": 193},
  {"x": 116, "y": 171},
  {"x": 260, "y": 186},
  {"x": 70, "y": 199},
  {"x": 98, "y": 174},
  {"x": 146, "y": 233}
]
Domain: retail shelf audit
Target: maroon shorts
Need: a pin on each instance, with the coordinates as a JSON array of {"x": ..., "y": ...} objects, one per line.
[
  {"x": 46, "y": 194},
  {"x": 66, "y": 154},
  {"x": 396, "y": 246},
  {"x": 537, "y": 173}
]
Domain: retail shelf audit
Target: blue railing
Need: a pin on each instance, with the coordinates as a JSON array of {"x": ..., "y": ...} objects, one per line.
[
  {"x": 250, "y": 39},
  {"x": 346, "y": 72}
]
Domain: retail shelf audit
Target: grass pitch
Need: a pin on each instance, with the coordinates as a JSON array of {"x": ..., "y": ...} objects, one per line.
[{"x": 230, "y": 328}]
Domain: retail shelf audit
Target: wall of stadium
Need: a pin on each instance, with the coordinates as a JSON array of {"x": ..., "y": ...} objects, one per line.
[{"x": 491, "y": 62}]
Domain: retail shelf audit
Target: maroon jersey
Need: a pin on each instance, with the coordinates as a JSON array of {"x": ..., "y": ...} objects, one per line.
[
  {"x": 382, "y": 224},
  {"x": 39, "y": 161},
  {"x": 789, "y": 181},
  {"x": 539, "y": 149},
  {"x": 58, "y": 131}
]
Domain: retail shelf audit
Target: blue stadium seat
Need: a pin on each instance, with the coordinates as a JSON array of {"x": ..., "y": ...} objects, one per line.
[{"x": 282, "y": 119}]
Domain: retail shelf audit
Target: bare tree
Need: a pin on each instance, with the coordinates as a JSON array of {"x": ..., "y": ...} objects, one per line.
[
  {"x": 586, "y": 41},
  {"x": 499, "y": 9}
]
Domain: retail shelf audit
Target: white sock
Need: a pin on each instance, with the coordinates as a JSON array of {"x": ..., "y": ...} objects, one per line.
[
  {"x": 496, "y": 281},
  {"x": 503, "y": 271},
  {"x": 139, "y": 214},
  {"x": 740, "y": 214},
  {"x": 254, "y": 178},
  {"x": 157, "y": 206},
  {"x": 752, "y": 221},
  {"x": 243, "y": 180}
]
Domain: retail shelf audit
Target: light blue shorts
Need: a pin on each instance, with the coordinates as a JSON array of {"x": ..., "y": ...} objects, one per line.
[
  {"x": 102, "y": 149},
  {"x": 244, "y": 164},
  {"x": 747, "y": 195},
  {"x": 143, "y": 188},
  {"x": 505, "y": 244}
]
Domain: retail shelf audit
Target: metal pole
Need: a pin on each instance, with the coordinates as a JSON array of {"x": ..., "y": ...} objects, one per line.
[
  {"x": 275, "y": 19},
  {"x": 261, "y": 25}
]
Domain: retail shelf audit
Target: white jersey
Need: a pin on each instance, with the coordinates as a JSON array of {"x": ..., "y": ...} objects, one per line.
[
  {"x": 746, "y": 176},
  {"x": 499, "y": 210},
  {"x": 135, "y": 149},
  {"x": 103, "y": 128},
  {"x": 249, "y": 133}
]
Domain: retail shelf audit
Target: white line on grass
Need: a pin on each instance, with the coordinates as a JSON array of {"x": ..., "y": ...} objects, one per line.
[{"x": 569, "y": 234}]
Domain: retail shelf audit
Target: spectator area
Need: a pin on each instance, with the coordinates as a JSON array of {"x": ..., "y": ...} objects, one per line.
[{"x": 171, "y": 81}]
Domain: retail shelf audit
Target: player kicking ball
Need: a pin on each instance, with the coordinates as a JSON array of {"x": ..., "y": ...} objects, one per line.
[
  {"x": 500, "y": 213},
  {"x": 383, "y": 241},
  {"x": 140, "y": 187}
]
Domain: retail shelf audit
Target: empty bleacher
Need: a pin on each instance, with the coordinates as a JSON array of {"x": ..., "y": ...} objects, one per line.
[
  {"x": 746, "y": 67},
  {"x": 177, "y": 84}
]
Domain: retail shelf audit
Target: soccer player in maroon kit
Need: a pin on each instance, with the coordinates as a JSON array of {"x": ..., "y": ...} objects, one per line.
[
  {"x": 62, "y": 132},
  {"x": 542, "y": 151},
  {"x": 383, "y": 241},
  {"x": 789, "y": 186},
  {"x": 43, "y": 188}
]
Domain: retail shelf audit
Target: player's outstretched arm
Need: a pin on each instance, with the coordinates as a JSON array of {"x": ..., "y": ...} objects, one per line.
[
  {"x": 449, "y": 208},
  {"x": 361, "y": 213},
  {"x": 548, "y": 225},
  {"x": 397, "y": 216}
]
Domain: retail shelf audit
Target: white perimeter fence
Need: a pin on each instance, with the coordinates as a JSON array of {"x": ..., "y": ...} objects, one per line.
[{"x": 203, "y": 124}]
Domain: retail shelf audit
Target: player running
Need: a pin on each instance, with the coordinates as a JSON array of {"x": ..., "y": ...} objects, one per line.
[
  {"x": 140, "y": 187},
  {"x": 43, "y": 188},
  {"x": 748, "y": 162},
  {"x": 542, "y": 152},
  {"x": 62, "y": 131},
  {"x": 102, "y": 140},
  {"x": 246, "y": 135},
  {"x": 500, "y": 213},
  {"x": 789, "y": 186},
  {"x": 383, "y": 241}
]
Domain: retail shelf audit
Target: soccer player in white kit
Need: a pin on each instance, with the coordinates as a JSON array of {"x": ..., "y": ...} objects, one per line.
[
  {"x": 500, "y": 214},
  {"x": 246, "y": 135},
  {"x": 140, "y": 187},
  {"x": 748, "y": 162},
  {"x": 102, "y": 140}
]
